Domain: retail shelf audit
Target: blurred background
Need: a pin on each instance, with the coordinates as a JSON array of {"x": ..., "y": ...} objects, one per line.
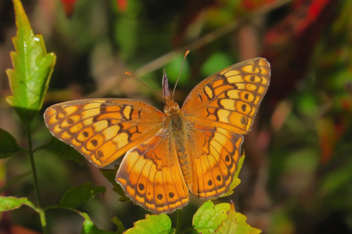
[{"x": 297, "y": 175}]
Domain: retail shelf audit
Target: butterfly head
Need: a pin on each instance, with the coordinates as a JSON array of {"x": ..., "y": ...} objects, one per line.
[{"x": 170, "y": 105}]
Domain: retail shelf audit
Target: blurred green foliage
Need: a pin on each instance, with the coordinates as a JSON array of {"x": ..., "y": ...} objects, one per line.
[{"x": 303, "y": 130}]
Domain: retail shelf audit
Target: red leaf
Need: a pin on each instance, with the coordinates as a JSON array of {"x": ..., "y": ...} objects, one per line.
[
  {"x": 122, "y": 5},
  {"x": 330, "y": 131},
  {"x": 289, "y": 44},
  {"x": 250, "y": 5},
  {"x": 68, "y": 6}
]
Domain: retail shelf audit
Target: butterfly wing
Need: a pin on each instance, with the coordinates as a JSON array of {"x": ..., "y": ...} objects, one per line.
[
  {"x": 214, "y": 154},
  {"x": 151, "y": 175},
  {"x": 230, "y": 98},
  {"x": 218, "y": 112},
  {"x": 103, "y": 129}
]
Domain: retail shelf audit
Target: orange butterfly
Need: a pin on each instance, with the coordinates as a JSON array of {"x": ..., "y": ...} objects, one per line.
[{"x": 194, "y": 148}]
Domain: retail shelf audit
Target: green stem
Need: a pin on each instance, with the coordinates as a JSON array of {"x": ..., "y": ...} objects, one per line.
[
  {"x": 36, "y": 187},
  {"x": 43, "y": 221},
  {"x": 178, "y": 222}
]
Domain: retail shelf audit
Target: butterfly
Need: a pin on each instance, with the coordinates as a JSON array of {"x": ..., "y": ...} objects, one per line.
[{"x": 194, "y": 148}]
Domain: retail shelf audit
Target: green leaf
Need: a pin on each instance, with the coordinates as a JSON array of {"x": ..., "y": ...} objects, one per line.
[
  {"x": 239, "y": 165},
  {"x": 12, "y": 203},
  {"x": 153, "y": 224},
  {"x": 236, "y": 181},
  {"x": 120, "y": 227},
  {"x": 59, "y": 148},
  {"x": 110, "y": 175},
  {"x": 32, "y": 68},
  {"x": 209, "y": 217},
  {"x": 80, "y": 194},
  {"x": 89, "y": 227},
  {"x": 236, "y": 223},
  {"x": 8, "y": 144}
]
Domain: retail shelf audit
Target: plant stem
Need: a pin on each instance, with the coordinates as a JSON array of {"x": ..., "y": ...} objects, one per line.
[
  {"x": 178, "y": 222},
  {"x": 35, "y": 180}
]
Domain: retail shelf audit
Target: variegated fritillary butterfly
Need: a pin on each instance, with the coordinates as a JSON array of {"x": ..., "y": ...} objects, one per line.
[{"x": 194, "y": 148}]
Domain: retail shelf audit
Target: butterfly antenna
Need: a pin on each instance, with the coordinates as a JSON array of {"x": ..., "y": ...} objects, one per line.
[
  {"x": 184, "y": 58},
  {"x": 130, "y": 74}
]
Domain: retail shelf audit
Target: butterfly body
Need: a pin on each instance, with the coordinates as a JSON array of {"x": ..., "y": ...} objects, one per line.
[{"x": 167, "y": 154}]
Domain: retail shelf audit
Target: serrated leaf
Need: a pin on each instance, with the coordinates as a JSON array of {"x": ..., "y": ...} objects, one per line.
[
  {"x": 110, "y": 175},
  {"x": 153, "y": 224},
  {"x": 80, "y": 194},
  {"x": 89, "y": 227},
  {"x": 209, "y": 216},
  {"x": 59, "y": 148},
  {"x": 236, "y": 181},
  {"x": 8, "y": 144},
  {"x": 119, "y": 225},
  {"x": 12, "y": 203},
  {"x": 32, "y": 68},
  {"x": 236, "y": 223}
]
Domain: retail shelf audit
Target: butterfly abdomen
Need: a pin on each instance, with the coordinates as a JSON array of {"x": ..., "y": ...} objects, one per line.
[{"x": 177, "y": 128}]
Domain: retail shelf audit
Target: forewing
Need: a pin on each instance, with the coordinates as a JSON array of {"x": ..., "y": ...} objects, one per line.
[
  {"x": 103, "y": 129},
  {"x": 151, "y": 175},
  {"x": 230, "y": 98}
]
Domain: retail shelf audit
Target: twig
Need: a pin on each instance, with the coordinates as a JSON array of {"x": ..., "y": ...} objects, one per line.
[{"x": 35, "y": 180}]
